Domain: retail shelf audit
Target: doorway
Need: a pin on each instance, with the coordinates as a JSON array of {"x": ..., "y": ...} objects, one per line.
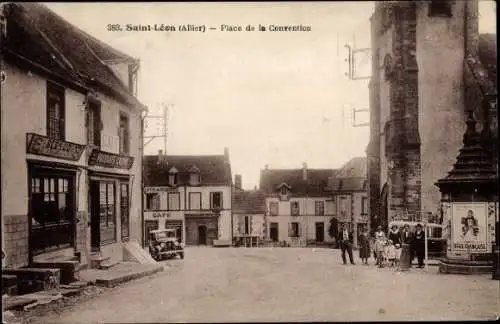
[
  {"x": 202, "y": 235},
  {"x": 273, "y": 232},
  {"x": 95, "y": 233},
  {"x": 320, "y": 232}
]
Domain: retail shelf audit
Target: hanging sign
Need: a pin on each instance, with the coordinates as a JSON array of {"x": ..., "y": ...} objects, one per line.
[{"x": 43, "y": 145}]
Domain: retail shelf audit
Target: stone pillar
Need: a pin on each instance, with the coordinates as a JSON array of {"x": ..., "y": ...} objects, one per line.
[{"x": 15, "y": 233}]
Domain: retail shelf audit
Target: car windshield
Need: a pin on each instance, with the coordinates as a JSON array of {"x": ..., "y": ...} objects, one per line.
[{"x": 161, "y": 235}]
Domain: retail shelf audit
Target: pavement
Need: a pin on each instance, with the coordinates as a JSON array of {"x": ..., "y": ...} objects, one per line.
[{"x": 285, "y": 285}]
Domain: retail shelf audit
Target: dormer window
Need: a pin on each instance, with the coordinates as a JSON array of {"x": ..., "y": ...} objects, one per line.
[
  {"x": 284, "y": 190},
  {"x": 173, "y": 177},
  {"x": 440, "y": 8},
  {"x": 194, "y": 176}
]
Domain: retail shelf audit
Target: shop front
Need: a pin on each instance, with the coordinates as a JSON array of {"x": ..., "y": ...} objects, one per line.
[
  {"x": 109, "y": 198},
  {"x": 201, "y": 229},
  {"x": 53, "y": 188},
  {"x": 154, "y": 220}
]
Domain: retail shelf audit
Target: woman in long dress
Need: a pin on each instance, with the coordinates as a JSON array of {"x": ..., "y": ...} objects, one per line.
[
  {"x": 380, "y": 242},
  {"x": 364, "y": 246},
  {"x": 395, "y": 238}
]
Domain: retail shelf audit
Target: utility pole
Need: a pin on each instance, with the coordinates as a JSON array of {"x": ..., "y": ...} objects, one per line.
[{"x": 163, "y": 119}]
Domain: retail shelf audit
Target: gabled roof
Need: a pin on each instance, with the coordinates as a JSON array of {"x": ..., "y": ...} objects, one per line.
[
  {"x": 488, "y": 55},
  {"x": 248, "y": 202},
  {"x": 37, "y": 35},
  {"x": 351, "y": 177},
  {"x": 315, "y": 185},
  {"x": 214, "y": 170}
]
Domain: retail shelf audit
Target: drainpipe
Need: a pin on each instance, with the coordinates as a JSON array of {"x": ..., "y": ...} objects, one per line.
[{"x": 141, "y": 148}]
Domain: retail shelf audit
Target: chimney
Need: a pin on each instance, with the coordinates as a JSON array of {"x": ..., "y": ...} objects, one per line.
[
  {"x": 304, "y": 171},
  {"x": 161, "y": 157},
  {"x": 267, "y": 167},
  {"x": 237, "y": 181},
  {"x": 226, "y": 153}
]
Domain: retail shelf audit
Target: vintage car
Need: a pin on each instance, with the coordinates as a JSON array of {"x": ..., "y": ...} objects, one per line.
[{"x": 164, "y": 243}]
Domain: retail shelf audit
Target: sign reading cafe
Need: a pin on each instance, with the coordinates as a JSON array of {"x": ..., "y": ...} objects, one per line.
[{"x": 469, "y": 228}]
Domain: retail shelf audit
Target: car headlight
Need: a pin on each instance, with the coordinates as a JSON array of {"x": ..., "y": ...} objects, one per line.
[{"x": 162, "y": 245}]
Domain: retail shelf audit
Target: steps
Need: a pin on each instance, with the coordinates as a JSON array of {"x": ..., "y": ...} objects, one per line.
[{"x": 69, "y": 269}]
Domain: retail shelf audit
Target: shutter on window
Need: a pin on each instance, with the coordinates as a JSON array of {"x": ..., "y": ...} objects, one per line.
[
  {"x": 250, "y": 221},
  {"x": 290, "y": 230}
]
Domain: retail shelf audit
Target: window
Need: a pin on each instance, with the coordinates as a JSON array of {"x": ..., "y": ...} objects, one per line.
[
  {"x": 124, "y": 134},
  {"x": 94, "y": 124},
  {"x": 273, "y": 208},
  {"x": 216, "y": 200},
  {"x": 152, "y": 201},
  {"x": 107, "y": 212},
  {"x": 174, "y": 201},
  {"x": 364, "y": 205},
  {"x": 124, "y": 211},
  {"x": 55, "y": 111},
  {"x": 194, "y": 179},
  {"x": 440, "y": 8},
  {"x": 51, "y": 212},
  {"x": 195, "y": 200},
  {"x": 319, "y": 208},
  {"x": 294, "y": 229},
  {"x": 284, "y": 190},
  {"x": 294, "y": 208},
  {"x": 173, "y": 177}
]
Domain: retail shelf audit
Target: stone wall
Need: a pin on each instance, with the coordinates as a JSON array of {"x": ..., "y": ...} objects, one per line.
[{"x": 16, "y": 241}]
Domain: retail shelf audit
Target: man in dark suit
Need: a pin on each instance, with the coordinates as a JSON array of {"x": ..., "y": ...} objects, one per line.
[{"x": 346, "y": 240}]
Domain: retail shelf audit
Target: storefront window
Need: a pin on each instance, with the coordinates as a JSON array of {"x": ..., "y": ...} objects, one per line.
[
  {"x": 51, "y": 212},
  {"x": 107, "y": 212}
]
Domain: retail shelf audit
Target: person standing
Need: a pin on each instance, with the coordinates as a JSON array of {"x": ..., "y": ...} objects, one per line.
[
  {"x": 380, "y": 241},
  {"x": 395, "y": 238},
  {"x": 346, "y": 241},
  {"x": 364, "y": 245},
  {"x": 419, "y": 245},
  {"x": 406, "y": 240}
]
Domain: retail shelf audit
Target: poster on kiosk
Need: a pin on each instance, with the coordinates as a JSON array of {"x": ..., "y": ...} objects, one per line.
[{"x": 469, "y": 231}]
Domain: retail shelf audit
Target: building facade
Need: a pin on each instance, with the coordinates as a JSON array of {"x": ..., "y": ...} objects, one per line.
[
  {"x": 191, "y": 194},
  {"x": 249, "y": 213},
  {"x": 348, "y": 186},
  {"x": 298, "y": 205},
  {"x": 429, "y": 66},
  {"x": 71, "y": 141}
]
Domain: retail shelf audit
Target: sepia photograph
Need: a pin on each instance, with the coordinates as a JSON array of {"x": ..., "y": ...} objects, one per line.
[{"x": 238, "y": 162}]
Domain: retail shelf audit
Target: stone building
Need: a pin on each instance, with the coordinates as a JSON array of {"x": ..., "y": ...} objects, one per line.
[
  {"x": 71, "y": 141},
  {"x": 429, "y": 66},
  {"x": 298, "y": 204},
  {"x": 348, "y": 186},
  {"x": 191, "y": 193}
]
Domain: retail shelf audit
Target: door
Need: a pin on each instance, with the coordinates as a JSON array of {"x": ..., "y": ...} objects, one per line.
[
  {"x": 320, "y": 232},
  {"x": 95, "y": 230},
  {"x": 149, "y": 225},
  {"x": 273, "y": 232},
  {"x": 202, "y": 234}
]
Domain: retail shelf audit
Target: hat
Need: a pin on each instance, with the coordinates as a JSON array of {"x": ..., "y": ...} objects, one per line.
[
  {"x": 394, "y": 226},
  {"x": 419, "y": 225},
  {"x": 379, "y": 227}
]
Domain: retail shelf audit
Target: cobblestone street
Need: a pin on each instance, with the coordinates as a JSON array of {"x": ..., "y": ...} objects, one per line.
[{"x": 219, "y": 285}]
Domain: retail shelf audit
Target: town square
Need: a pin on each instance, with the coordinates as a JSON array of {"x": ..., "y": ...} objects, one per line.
[{"x": 249, "y": 162}]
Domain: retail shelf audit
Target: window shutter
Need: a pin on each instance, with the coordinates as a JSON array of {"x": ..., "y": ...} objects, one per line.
[
  {"x": 250, "y": 221},
  {"x": 290, "y": 230}
]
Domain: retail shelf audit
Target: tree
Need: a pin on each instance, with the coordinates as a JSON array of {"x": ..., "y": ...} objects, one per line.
[{"x": 333, "y": 228}]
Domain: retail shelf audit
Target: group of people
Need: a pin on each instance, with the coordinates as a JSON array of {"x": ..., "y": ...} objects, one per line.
[{"x": 387, "y": 249}]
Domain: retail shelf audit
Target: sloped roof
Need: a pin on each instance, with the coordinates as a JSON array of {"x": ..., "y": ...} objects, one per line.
[
  {"x": 37, "y": 34},
  {"x": 488, "y": 55},
  {"x": 351, "y": 177},
  {"x": 315, "y": 185},
  {"x": 248, "y": 202},
  {"x": 214, "y": 170}
]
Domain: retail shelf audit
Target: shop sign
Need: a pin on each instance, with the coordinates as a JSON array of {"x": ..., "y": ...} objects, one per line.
[
  {"x": 110, "y": 160},
  {"x": 43, "y": 145},
  {"x": 156, "y": 215},
  {"x": 158, "y": 189}
]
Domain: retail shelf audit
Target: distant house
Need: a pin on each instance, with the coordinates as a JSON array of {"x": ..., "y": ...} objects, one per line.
[
  {"x": 71, "y": 141},
  {"x": 249, "y": 212},
  {"x": 298, "y": 204},
  {"x": 349, "y": 188},
  {"x": 191, "y": 193}
]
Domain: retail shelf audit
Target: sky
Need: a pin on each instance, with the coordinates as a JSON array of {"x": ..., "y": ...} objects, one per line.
[{"x": 275, "y": 98}]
